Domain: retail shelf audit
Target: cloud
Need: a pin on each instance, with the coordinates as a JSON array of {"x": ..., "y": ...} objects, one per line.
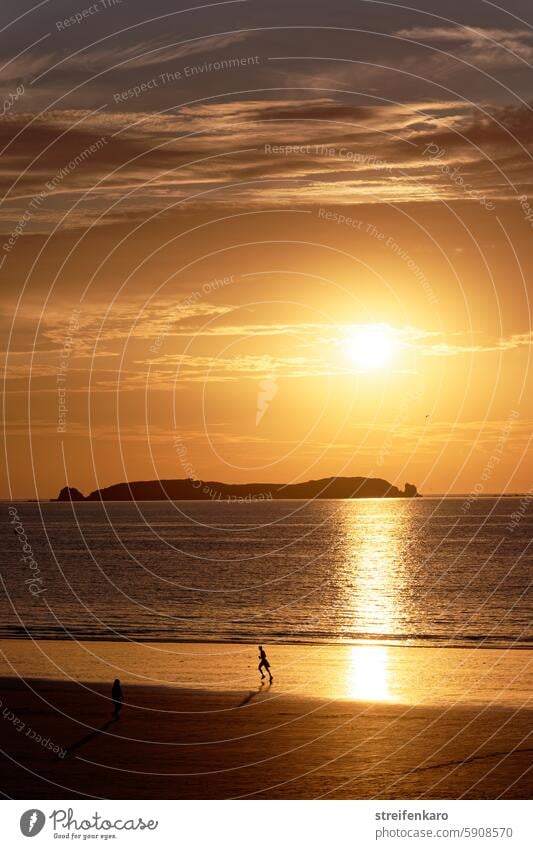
[
  {"x": 161, "y": 344},
  {"x": 125, "y": 58},
  {"x": 485, "y": 47},
  {"x": 509, "y": 343},
  {"x": 255, "y": 153},
  {"x": 159, "y": 51}
]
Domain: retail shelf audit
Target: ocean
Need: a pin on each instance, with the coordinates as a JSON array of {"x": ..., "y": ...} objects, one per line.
[{"x": 409, "y": 571}]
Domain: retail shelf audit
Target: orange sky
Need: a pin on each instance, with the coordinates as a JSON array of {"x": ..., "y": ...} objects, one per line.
[{"x": 193, "y": 261}]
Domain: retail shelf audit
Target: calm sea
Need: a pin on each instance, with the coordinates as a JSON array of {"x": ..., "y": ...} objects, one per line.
[{"x": 422, "y": 571}]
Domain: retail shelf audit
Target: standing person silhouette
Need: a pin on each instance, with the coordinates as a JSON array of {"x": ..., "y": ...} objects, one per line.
[
  {"x": 116, "y": 695},
  {"x": 264, "y": 664}
]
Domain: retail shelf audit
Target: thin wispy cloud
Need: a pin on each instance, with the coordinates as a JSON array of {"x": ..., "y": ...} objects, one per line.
[{"x": 485, "y": 47}]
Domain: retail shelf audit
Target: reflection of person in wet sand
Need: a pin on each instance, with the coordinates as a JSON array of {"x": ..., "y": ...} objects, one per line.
[
  {"x": 116, "y": 695},
  {"x": 264, "y": 664}
]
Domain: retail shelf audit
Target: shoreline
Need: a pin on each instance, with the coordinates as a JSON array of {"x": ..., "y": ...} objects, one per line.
[{"x": 415, "y": 643}]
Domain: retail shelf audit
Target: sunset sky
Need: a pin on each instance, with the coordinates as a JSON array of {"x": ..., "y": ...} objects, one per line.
[{"x": 275, "y": 241}]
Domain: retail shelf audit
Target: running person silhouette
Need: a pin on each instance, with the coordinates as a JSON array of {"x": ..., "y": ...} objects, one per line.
[{"x": 264, "y": 664}]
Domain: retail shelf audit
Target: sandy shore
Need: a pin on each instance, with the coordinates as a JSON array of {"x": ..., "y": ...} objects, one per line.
[{"x": 339, "y": 722}]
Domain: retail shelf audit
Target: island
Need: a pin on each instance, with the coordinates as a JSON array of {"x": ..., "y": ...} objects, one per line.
[{"x": 193, "y": 489}]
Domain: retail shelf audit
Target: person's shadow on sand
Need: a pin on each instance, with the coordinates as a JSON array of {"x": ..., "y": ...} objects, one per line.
[
  {"x": 88, "y": 737},
  {"x": 247, "y": 699}
]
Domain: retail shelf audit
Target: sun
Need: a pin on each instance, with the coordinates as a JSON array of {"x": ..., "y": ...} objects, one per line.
[{"x": 371, "y": 346}]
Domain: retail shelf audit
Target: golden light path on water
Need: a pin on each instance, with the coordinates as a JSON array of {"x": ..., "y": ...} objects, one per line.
[
  {"x": 378, "y": 593},
  {"x": 368, "y": 678},
  {"x": 375, "y": 595}
]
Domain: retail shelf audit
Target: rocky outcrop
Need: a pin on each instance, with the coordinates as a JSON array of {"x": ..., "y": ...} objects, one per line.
[{"x": 70, "y": 493}]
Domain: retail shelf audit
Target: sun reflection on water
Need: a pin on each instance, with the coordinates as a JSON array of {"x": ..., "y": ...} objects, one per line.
[
  {"x": 376, "y": 598},
  {"x": 375, "y": 603},
  {"x": 368, "y": 677}
]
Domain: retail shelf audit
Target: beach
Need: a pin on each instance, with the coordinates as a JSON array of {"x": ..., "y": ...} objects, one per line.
[{"x": 339, "y": 721}]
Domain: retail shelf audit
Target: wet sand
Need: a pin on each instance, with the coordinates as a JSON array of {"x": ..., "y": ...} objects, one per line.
[{"x": 366, "y": 721}]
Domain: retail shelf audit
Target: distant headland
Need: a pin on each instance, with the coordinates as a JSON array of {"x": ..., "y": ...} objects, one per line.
[{"x": 191, "y": 489}]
